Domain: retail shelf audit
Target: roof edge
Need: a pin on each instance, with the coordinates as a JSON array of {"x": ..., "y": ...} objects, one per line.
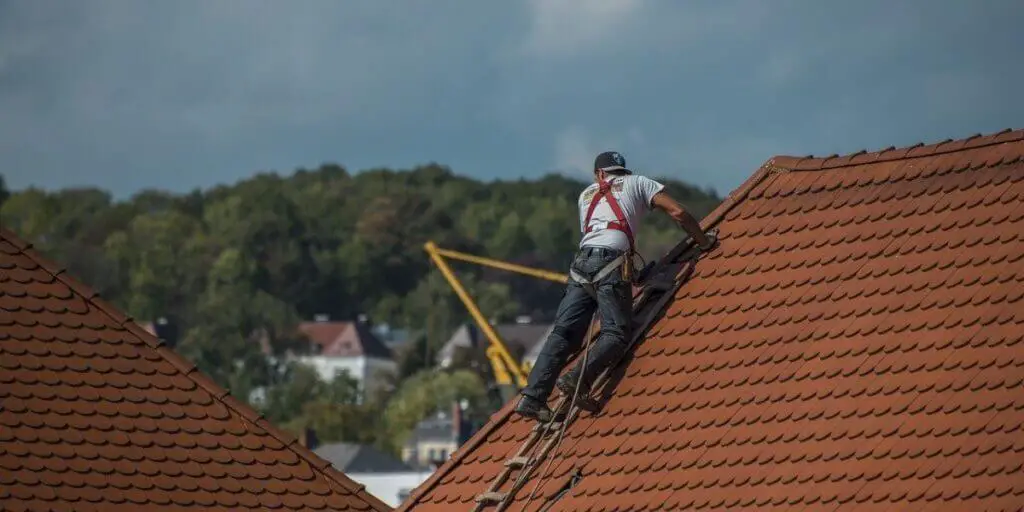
[
  {"x": 891, "y": 153},
  {"x": 740, "y": 194},
  {"x": 732, "y": 200},
  {"x": 190, "y": 371}
]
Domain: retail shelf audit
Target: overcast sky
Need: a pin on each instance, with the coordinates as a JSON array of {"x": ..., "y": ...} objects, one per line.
[{"x": 130, "y": 94}]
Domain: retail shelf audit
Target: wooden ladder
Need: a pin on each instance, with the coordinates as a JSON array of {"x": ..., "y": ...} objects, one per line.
[
  {"x": 526, "y": 462},
  {"x": 523, "y": 461}
]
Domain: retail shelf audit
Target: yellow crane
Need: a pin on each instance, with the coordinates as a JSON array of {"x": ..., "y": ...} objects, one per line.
[{"x": 507, "y": 371}]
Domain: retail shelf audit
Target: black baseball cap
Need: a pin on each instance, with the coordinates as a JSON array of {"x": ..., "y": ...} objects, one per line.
[{"x": 610, "y": 161}]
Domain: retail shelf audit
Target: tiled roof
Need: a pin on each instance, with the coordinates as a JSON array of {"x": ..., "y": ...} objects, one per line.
[
  {"x": 345, "y": 339},
  {"x": 854, "y": 343},
  {"x": 96, "y": 414}
]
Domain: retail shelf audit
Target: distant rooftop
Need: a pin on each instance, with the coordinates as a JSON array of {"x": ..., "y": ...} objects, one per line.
[
  {"x": 360, "y": 458},
  {"x": 344, "y": 339}
]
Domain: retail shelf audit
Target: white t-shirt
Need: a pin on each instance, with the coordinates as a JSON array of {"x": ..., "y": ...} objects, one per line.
[{"x": 634, "y": 194}]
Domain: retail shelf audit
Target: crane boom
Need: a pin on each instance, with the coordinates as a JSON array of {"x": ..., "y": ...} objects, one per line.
[
  {"x": 502, "y": 265},
  {"x": 506, "y": 368}
]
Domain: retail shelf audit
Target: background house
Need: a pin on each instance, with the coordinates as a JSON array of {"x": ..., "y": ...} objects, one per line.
[
  {"x": 436, "y": 438},
  {"x": 164, "y": 329},
  {"x": 393, "y": 338},
  {"x": 348, "y": 346},
  {"x": 521, "y": 337},
  {"x": 359, "y": 458},
  {"x": 384, "y": 476},
  {"x": 392, "y": 487}
]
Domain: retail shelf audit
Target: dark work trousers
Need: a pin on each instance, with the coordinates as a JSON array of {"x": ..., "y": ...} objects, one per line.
[{"x": 615, "y": 306}]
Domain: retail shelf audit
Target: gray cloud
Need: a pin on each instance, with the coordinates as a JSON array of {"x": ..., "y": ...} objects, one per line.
[{"x": 126, "y": 95}]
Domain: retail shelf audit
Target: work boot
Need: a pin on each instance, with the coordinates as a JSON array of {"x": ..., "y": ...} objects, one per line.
[
  {"x": 567, "y": 383},
  {"x": 531, "y": 407}
]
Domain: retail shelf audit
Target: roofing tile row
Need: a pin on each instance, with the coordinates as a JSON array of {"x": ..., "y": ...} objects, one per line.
[
  {"x": 97, "y": 414},
  {"x": 854, "y": 343}
]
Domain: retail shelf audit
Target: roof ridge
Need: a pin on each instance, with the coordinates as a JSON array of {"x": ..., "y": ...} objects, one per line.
[
  {"x": 891, "y": 153},
  {"x": 190, "y": 371}
]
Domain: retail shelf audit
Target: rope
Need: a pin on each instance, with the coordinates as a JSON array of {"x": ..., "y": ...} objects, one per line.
[
  {"x": 684, "y": 275},
  {"x": 689, "y": 265},
  {"x": 565, "y": 421}
]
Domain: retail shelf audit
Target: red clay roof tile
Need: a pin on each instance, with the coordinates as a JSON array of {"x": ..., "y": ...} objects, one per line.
[
  {"x": 853, "y": 344},
  {"x": 95, "y": 414}
]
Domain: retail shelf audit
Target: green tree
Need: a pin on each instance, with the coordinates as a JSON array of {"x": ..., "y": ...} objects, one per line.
[
  {"x": 239, "y": 266},
  {"x": 299, "y": 384},
  {"x": 261, "y": 221},
  {"x": 333, "y": 409},
  {"x": 237, "y": 325},
  {"x": 162, "y": 256},
  {"x": 424, "y": 393},
  {"x": 32, "y": 213},
  {"x": 553, "y": 232},
  {"x": 510, "y": 238}
]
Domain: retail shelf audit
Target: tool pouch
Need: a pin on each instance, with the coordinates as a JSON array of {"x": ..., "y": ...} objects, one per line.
[{"x": 627, "y": 268}]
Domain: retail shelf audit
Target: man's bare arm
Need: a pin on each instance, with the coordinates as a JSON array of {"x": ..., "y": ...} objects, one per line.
[{"x": 665, "y": 203}]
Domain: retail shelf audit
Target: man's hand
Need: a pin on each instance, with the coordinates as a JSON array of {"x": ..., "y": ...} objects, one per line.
[{"x": 710, "y": 241}]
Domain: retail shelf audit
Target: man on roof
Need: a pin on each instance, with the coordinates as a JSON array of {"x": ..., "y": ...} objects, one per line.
[{"x": 600, "y": 277}]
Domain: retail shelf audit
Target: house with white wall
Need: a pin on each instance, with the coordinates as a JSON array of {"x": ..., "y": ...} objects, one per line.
[{"x": 348, "y": 346}]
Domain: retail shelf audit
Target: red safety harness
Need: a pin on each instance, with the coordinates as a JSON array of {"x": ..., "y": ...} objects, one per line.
[{"x": 621, "y": 223}]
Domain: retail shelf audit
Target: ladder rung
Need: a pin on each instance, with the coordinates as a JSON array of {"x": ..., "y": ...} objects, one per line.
[
  {"x": 490, "y": 497},
  {"x": 549, "y": 427},
  {"x": 517, "y": 462}
]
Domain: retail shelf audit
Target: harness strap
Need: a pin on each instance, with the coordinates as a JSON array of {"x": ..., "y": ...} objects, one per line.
[
  {"x": 589, "y": 284},
  {"x": 621, "y": 223}
]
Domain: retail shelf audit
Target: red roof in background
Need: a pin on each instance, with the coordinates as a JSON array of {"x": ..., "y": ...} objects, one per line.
[
  {"x": 95, "y": 414},
  {"x": 323, "y": 334},
  {"x": 854, "y": 343},
  {"x": 345, "y": 339}
]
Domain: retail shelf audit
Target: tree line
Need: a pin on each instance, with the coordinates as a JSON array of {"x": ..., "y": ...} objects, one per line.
[{"x": 238, "y": 265}]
